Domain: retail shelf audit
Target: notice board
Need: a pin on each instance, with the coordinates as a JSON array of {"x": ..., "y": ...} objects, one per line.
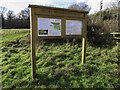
[{"x": 52, "y": 23}]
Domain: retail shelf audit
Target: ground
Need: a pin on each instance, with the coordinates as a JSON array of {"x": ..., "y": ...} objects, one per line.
[{"x": 58, "y": 64}]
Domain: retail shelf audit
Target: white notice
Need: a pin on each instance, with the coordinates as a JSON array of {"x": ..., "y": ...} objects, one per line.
[
  {"x": 73, "y": 27},
  {"x": 49, "y": 27}
]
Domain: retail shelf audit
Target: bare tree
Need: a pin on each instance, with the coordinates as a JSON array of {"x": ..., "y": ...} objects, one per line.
[
  {"x": 80, "y": 6},
  {"x": 2, "y": 12},
  {"x": 115, "y": 4},
  {"x": 24, "y": 17},
  {"x": 24, "y": 14},
  {"x": 10, "y": 17}
]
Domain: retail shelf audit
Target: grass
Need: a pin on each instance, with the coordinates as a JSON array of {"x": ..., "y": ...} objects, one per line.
[
  {"x": 11, "y": 35},
  {"x": 58, "y": 64}
]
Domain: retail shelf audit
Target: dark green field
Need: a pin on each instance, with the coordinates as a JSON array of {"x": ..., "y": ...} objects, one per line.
[{"x": 58, "y": 64}]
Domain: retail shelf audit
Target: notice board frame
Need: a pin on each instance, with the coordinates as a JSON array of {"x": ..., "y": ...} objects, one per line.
[{"x": 37, "y": 11}]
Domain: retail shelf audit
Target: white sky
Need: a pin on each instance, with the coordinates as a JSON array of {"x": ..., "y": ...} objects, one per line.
[{"x": 18, "y": 5}]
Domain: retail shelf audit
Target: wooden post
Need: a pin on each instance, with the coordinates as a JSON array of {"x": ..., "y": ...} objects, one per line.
[
  {"x": 83, "y": 49},
  {"x": 84, "y": 35},
  {"x": 63, "y": 31},
  {"x": 33, "y": 42}
]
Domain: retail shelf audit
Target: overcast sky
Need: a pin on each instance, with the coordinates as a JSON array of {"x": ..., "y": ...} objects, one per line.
[{"x": 18, "y": 5}]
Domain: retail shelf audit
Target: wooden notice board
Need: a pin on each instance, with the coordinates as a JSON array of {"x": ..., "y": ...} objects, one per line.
[{"x": 51, "y": 23}]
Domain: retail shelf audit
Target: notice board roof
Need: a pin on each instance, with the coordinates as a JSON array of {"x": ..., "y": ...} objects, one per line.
[{"x": 56, "y": 8}]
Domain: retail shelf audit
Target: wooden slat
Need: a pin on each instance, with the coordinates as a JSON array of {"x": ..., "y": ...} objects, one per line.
[
  {"x": 55, "y": 8},
  {"x": 58, "y": 13}
]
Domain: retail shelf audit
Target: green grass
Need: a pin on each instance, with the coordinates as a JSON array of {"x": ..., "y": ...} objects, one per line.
[
  {"x": 58, "y": 65},
  {"x": 11, "y": 35}
]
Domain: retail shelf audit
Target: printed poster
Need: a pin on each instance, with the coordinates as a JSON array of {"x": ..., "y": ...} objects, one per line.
[
  {"x": 49, "y": 27},
  {"x": 73, "y": 27}
]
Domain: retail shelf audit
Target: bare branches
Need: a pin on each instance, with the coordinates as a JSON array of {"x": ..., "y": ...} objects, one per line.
[
  {"x": 80, "y": 6},
  {"x": 3, "y": 10}
]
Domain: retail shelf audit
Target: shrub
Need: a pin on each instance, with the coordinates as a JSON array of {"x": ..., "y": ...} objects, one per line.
[{"x": 98, "y": 33}]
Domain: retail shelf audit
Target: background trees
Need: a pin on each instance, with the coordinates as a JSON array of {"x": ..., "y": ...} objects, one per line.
[
  {"x": 24, "y": 18},
  {"x": 80, "y": 6},
  {"x": 99, "y": 29},
  {"x": 10, "y": 20},
  {"x": 2, "y": 12}
]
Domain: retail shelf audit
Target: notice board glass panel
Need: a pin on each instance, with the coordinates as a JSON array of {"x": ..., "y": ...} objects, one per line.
[
  {"x": 49, "y": 27},
  {"x": 73, "y": 27}
]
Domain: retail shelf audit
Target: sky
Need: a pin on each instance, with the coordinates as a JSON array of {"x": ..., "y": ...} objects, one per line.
[{"x": 18, "y": 5}]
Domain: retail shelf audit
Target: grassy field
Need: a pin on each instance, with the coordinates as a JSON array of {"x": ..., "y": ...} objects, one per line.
[{"x": 58, "y": 64}]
